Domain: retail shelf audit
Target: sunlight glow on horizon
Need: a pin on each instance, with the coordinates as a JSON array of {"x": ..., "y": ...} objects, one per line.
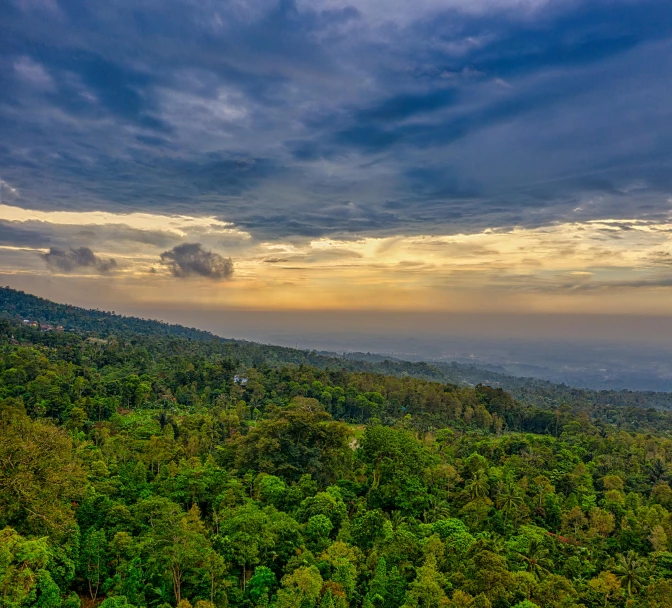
[{"x": 597, "y": 265}]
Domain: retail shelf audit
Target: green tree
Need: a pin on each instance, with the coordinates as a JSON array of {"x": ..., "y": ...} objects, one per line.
[
  {"x": 427, "y": 590},
  {"x": 659, "y": 594},
  {"x": 40, "y": 476},
  {"x": 94, "y": 560},
  {"x": 302, "y": 439},
  {"x": 300, "y": 589},
  {"x": 175, "y": 540},
  {"x": 510, "y": 500},
  {"x": 24, "y": 578},
  {"x": 536, "y": 559},
  {"x": 478, "y": 486},
  {"x": 631, "y": 572},
  {"x": 261, "y": 584},
  {"x": 605, "y": 584},
  {"x": 377, "y": 593}
]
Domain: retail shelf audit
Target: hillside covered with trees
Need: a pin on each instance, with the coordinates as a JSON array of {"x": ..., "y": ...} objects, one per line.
[
  {"x": 163, "y": 469},
  {"x": 18, "y": 306}
]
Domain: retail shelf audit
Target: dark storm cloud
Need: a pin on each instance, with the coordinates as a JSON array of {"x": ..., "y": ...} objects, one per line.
[
  {"x": 12, "y": 236},
  {"x": 73, "y": 260},
  {"x": 293, "y": 119},
  {"x": 190, "y": 259}
]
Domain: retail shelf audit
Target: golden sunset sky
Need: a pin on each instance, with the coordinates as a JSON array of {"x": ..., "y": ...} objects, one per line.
[
  {"x": 483, "y": 157},
  {"x": 597, "y": 266}
]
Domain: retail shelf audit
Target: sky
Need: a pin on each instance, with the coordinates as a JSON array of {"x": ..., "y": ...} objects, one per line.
[{"x": 449, "y": 157}]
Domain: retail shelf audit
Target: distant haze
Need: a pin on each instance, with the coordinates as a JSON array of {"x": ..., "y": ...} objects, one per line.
[
  {"x": 368, "y": 330},
  {"x": 580, "y": 350},
  {"x": 598, "y": 351}
]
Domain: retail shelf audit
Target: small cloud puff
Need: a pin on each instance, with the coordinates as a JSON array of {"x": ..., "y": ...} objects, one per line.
[
  {"x": 190, "y": 259},
  {"x": 70, "y": 260}
]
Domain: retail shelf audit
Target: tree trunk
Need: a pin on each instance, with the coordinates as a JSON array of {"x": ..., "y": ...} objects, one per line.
[{"x": 177, "y": 582}]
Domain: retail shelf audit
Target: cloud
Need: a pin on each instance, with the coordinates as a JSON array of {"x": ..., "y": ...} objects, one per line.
[
  {"x": 276, "y": 115},
  {"x": 16, "y": 236},
  {"x": 8, "y": 187},
  {"x": 190, "y": 259},
  {"x": 72, "y": 260},
  {"x": 33, "y": 73}
]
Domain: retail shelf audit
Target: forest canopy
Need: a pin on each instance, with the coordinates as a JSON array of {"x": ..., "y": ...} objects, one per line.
[{"x": 155, "y": 469}]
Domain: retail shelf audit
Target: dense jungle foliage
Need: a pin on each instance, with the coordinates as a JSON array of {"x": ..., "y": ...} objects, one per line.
[{"x": 157, "y": 470}]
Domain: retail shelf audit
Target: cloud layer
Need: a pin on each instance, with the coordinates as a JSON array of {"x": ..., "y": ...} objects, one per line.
[
  {"x": 340, "y": 117},
  {"x": 73, "y": 260},
  {"x": 597, "y": 265}
]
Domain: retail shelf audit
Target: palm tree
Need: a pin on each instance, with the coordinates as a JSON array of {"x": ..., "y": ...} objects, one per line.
[
  {"x": 478, "y": 486},
  {"x": 398, "y": 520},
  {"x": 509, "y": 499},
  {"x": 493, "y": 542},
  {"x": 536, "y": 559},
  {"x": 437, "y": 510},
  {"x": 631, "y": 572}
]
